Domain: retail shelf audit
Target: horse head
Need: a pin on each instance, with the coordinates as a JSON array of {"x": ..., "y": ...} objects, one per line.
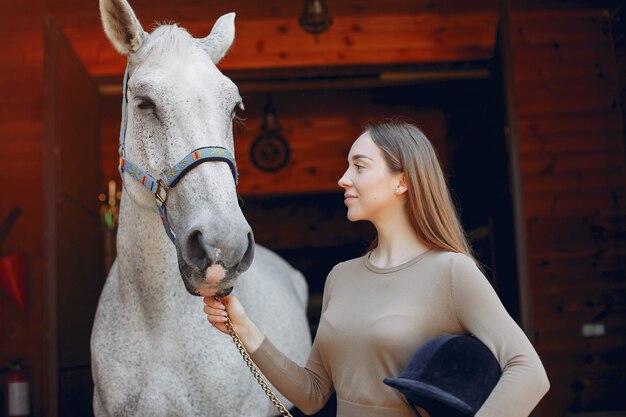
[{"x": 177, "y": 101}]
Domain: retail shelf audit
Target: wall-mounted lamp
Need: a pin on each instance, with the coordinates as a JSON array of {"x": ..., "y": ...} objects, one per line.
[{"x": 315, "y": 17}]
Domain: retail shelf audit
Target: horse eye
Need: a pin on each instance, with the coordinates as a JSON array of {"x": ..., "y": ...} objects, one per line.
[
  {"x": 145, "y": 103},
  {"x": 233, "y": 113}
]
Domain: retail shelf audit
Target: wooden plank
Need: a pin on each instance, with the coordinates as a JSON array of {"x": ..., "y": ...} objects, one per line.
[
  {"x": 572, "y": 235},
  {"x": 605, "y": 238},
  {"x": 570, "y": 330},
  {"x": 592, "y": 142},
  {"x": 28, "y": 75},
  {"x": 572, "y": 307},
  {"x": 416, "y": 37},
  {"x": 570, "y": 103},
  {"x": 549, "y": 275},
  {"x": 554, "y": 341},
  {"x": 573, "y": 163},
  {"x": 559, "y": 53},
  {"x": 22, "y": 92},
  {"x": 84, "y": 13},
  {"x": 564, "y": 265},
  {"x": 550, "y": 89},
  {"x": 578, "y": 391},
  {"x": 577, "y": 183},
  {"x": 565, "y": 27},
  {"x": 566, "y": 329},
  {"x": 376, "y": 39},
  {"x": 539, "y": 126},
  {"x": 23, "y": 49},
  {"x": 536, "y": 203},
  {"x": 568, "y": 283},
  {"x": 551, "y": 13},
  {"x": 600, "y": 213},
  {"x": 563, "y": 72}
]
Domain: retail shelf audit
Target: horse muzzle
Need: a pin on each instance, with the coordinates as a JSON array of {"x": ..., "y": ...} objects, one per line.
[
  {"x": 213, "y": 281},
  {"x": 208, "y": 270}
]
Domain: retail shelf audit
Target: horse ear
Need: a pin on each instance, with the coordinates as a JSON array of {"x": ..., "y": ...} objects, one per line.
[
  {"x": 221, "y": 37},
  {"x": 121, "y": 26}
]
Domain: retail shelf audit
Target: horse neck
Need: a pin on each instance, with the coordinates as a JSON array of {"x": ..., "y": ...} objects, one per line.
[{"x": 146, "y": 257}]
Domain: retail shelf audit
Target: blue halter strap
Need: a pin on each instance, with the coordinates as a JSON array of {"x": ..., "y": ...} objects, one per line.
[{"x": 159, "y": 187}]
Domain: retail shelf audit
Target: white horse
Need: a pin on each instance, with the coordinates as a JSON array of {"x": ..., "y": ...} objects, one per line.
[{"x": 153, "y": 352}]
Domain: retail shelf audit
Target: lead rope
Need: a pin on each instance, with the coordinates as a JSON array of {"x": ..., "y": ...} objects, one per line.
[{"x": 256, "y": 372}]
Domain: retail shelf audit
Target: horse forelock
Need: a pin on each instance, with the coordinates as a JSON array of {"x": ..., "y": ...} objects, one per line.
[{"x": 167, "y": 40}]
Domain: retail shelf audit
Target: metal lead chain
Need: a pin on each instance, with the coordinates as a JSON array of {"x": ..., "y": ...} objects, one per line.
[{"x": 256, "y": 372}]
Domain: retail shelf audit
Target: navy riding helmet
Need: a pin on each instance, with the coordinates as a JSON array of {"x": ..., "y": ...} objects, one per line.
[{"x": 449, "y": 376}]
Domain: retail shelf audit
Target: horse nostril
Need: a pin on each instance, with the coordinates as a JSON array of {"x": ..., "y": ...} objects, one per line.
[
  {"x": 248, "y": 256},
  {"x": 196, "y": 253}
]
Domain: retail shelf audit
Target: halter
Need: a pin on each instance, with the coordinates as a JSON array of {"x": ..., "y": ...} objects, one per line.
[{"x": 159, "y": 187}]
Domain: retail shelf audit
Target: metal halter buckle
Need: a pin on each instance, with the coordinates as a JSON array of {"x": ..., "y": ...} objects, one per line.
[{"x": 161, "y": 192}]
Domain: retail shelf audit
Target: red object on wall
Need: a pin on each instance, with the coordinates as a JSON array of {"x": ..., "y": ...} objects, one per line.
[{"x": 13, "y": 278}]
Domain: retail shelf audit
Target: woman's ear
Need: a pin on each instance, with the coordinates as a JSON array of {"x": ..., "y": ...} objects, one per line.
[{"x": 401, "y": 188}]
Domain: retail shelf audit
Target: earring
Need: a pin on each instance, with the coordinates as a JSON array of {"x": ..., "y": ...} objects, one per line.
[{"x": 397, "y": 191}]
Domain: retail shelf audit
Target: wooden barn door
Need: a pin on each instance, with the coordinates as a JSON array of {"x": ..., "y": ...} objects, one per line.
[{"x": 73, "y": 244}]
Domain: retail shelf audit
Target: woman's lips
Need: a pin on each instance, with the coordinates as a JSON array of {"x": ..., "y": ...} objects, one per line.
[{"x": 348, "y": 197}]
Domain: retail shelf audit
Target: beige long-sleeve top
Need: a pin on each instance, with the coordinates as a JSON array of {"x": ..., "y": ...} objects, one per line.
[{"x": 373, "y": 321}]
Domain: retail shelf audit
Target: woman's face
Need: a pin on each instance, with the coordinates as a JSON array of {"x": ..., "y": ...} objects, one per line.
[{"x": 368, "y": 182}]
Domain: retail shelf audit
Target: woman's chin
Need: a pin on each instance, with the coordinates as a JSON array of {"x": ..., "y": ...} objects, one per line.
[{"x": 353, "y": 217}]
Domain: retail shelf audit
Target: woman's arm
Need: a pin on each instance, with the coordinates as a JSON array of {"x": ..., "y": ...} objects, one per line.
[{"x": 479, "y": 310}]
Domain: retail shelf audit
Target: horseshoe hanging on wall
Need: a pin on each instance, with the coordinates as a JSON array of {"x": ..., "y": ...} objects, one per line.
[{"x": 270, "y": 151}]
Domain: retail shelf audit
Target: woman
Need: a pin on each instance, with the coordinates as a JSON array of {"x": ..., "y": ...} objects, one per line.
[{"x": 417, "y": 281}]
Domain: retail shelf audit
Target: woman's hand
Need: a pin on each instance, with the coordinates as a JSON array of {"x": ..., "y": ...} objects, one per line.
[{"x": 217, "y": 311}]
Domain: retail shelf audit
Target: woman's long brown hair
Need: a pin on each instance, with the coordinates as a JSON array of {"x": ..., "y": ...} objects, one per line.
[{"x": 429, "y": 204}]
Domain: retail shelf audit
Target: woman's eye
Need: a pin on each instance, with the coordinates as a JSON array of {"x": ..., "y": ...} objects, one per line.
[{"x": 358, "y": 166}]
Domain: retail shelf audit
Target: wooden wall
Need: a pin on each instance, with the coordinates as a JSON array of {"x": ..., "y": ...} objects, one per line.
[
  {"x": 572, "y": 148},
  {"x": 21, "y": 136},
  {"x": 573, "y": 177}
]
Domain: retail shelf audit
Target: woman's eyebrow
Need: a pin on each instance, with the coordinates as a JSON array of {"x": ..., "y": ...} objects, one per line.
[{"x": 361, "y": 156}]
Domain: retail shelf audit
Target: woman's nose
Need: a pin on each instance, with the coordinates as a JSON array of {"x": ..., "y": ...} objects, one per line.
[{"x": 344, "y": 181}]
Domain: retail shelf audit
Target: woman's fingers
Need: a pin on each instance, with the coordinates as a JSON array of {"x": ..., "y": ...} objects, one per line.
[
  {"x": 218, "y": 311},
  {"x": 215, "y": 313},
  {"x": 234, "y": 307},
  {"x": 213, "y": 303}
]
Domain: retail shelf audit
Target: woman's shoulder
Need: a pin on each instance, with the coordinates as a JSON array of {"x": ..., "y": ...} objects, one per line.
[
  {"x": 348, "y": 265},
  {"x": 447, "y": 258},
  {"x": 450, "y": 263},
  {"x": 342, "y": 269}
]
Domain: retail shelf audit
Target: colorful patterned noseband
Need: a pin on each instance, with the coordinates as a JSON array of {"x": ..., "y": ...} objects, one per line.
[{"x": 159, "y": 187}]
